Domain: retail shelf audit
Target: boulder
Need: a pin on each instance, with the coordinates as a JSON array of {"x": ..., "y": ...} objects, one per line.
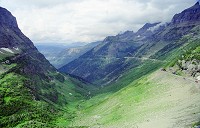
[{"x": 198, "y": 78}]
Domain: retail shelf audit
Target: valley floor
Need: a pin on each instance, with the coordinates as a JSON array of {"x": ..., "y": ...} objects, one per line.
[{"x": 160, "y": 100}]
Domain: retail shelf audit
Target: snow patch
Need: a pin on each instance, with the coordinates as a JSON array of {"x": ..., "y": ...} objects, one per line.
[
  {"x": 16, "y": 48},
  {"x": 7, "y": 50}
]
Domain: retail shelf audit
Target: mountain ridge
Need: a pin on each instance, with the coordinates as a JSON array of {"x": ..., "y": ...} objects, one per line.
[
  {"x": 140, "y": 82},
  {"x": 110, "y": 57},
  {"x": 7, "y": 19},
  {"x": 32, "y": 91}
]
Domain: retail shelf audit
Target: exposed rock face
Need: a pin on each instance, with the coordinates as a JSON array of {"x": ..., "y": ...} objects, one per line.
[
  {"x": 148, "y": 29},
  {"x": 188, "y": 15},
  {"x": 10, "y": 35},
  {"x": 7, "y": 19},
  {"x": 191, "y": 67},
  {"x": 181, "y": 24},
  {"x": 30, "y": 63},
  {"x": 198, "y": 78},
  {"x": 190, "y": 60}
]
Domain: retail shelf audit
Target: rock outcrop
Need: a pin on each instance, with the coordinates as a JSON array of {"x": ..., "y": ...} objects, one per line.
[
  {"x": 191, "y": 14},
  {"x": 30, "y": 62}
]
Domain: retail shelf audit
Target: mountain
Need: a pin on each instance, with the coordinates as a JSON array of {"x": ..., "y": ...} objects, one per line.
[
  {"x": 59, "y": 54},
  {"x": 148, "y": 78},
  {"x": 69, "y": 54},
  {"x": 50, "y": 50},
  {"x": 190, "y": 15},
  {"x": 32, "y": 91},
  {"x": 162, "y": 92},
  {"x": 106, "y": 62}
]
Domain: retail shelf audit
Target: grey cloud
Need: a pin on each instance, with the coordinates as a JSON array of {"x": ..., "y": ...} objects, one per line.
[{"x": 88, "y": 20}]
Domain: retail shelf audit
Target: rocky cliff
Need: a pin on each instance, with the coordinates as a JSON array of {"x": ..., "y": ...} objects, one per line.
[{"x": 31, "y": 89}]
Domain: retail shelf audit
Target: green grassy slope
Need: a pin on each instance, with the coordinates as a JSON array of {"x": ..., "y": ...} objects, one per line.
[
  {"x": 144, "y": 97},
  {"x": 19, "y": 103},
  {"x": 34, "y": 94},
  {"x": 158, "y": 100},
  {"x": 141, "y": 97}
]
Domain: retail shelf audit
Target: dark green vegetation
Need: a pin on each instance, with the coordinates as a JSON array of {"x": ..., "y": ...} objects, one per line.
[
  {"x": 134, "y": 92},
  {"x": 32, "y": 92},
  {"x": 20, "y": 105},
  {"x": 33, "y": 99}
]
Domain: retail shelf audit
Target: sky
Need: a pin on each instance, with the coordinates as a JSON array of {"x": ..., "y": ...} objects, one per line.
[{"x": 69, "y": 21}]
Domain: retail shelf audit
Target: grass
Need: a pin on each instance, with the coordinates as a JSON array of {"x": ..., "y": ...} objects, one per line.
[
  {"x": 138, "y": 96},
  {"x": 196, "y": 125},
  {"x": 110, "y": 108},
  {"x": 146, "y": 68},
  {"x": 18, "y": 105},
  {"x": 7, "y": 99},
  {"x": 21, "y": 108},
  {"x": 119, "y": 104},
  {"x": 133, "y": 104}
]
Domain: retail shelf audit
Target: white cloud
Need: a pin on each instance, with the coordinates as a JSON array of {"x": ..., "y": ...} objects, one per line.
[{"x": 88, "y": 20}]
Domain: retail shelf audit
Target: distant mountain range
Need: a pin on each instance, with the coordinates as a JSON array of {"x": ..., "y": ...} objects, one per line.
[
  {"x": 149, "y": 78},
  {"x": 117, "y": 54},
  {"x": 60, "y": 55}
]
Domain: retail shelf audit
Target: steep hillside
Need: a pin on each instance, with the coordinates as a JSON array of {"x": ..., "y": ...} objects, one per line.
[
  {"x": 105, "y": 63},
  {"x": 32, "y": 92},
  {"x": 161, "y": 99},
  {"x": 136, "y": 94},
  {"x": 148, "y": 78}
]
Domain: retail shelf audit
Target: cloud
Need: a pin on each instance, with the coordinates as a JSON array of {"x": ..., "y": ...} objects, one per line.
[{"x": 69, "y": 21}]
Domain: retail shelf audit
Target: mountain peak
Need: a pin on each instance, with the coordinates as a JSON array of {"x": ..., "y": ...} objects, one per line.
[
  {"x": 7, "y": 19},
  {"x": 191, "y": 14},
  {"x": 197, "y": 5},
  {"x": 145, "y": 29}
]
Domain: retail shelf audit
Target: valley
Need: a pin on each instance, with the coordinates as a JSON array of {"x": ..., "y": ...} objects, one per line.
[
  {"x": 59, "y": 54},
  {"x": 147, "y": 78}
]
